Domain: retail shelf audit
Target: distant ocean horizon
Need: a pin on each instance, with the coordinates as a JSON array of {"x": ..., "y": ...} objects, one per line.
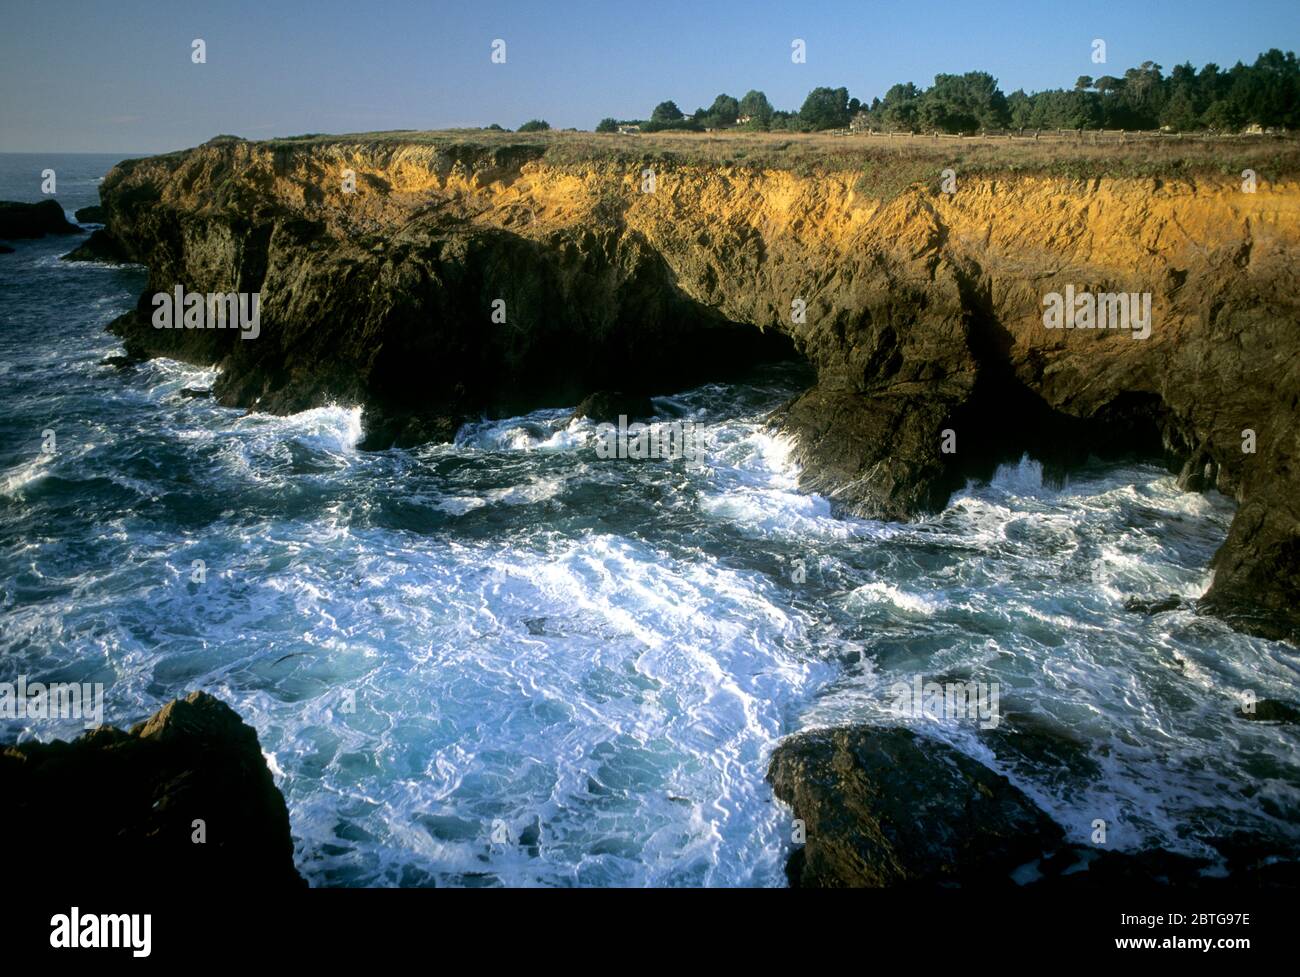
[{"x": 77, "y": 176}]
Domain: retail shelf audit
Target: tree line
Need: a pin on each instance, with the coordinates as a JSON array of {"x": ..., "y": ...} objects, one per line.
[{"x": 1266, "y": 94}]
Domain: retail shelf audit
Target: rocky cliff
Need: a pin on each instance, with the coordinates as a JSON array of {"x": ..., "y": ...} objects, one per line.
[
  {"x": 432, "y": 281},
  {"x": 185, "y": 796}
]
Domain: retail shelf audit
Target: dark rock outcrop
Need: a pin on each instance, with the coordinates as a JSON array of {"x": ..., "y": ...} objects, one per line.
[
  {"x": 885, "y": 807},
  {"x": 21, "y": 220},
  {"x": 90, "y": 215},
  {"x": 607, "y": 406},
  {"x": 1271, "y": 711},
  {"x": 384, "y": 428},
  {"x": 100, "y": 246},
  {"x": 113, "y": 806},
  {"x": 5, "y": 249},
  {"x": 1157, "y": 605}
]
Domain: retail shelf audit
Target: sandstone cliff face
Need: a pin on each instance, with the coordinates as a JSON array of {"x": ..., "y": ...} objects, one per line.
[{"x": 923, "y": 312}]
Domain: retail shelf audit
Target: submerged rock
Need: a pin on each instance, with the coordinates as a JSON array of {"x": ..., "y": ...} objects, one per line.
[
  {"x": 115, "y": 806},
  {"x": 607, "y": 406},
  {"x": 1083, "y": 867},
  {"x": 1158, "y": 605},
  {"x": 21, "y": 220},
  {"x": 1271, "y": 711},
  {"x": 886, "y": 807},
  {"x": 383, "y": 429}
]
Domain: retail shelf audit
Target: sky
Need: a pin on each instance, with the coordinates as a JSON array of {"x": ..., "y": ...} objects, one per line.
[{"x": 118, "y": 76}]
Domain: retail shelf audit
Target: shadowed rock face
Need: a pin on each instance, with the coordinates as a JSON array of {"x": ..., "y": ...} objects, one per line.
[
  {"x": 922, "y": 314},
  {"x": 111, "y": 808},
  {"x": 20, "y": 220},
  {"x": 100, "y": 246}
]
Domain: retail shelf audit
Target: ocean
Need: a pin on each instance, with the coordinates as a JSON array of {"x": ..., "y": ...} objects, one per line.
[{"x": 511, "y": 661}]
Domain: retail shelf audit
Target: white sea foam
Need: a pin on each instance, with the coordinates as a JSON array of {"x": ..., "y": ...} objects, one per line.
[
  {"x": 603, "y": 653},
  {"x": 28, "y": 473}
]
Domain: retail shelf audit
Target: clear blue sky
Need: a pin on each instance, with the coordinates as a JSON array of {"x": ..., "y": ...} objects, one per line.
[{"x": 117, "y": 76}]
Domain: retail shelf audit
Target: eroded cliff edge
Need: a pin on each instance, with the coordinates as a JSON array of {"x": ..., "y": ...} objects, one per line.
[{"x": 923, "y": 308}]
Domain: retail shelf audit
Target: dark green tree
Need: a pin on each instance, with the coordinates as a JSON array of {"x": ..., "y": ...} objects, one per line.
[
  {"x": 900, "y": 109},
  {"x": 964, "y": 103},
  {"x": 826, "y": 108},
  {"x": 723, "y": 111},
  {"x": 666, "y": 112},
  {"x": 757, "y": 107},
  {"x": 1020, "y": 109}
]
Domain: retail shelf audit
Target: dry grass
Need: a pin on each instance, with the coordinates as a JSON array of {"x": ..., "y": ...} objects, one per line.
[{"x": 888, "y": 165}]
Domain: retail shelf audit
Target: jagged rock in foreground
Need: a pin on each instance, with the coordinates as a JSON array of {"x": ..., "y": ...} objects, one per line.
[
  {"x": 21, "y": 220},
  {"x": 117, "y": 809},
  {"x": 884, "y": 807},
  {"x": 462, "y": 276}
]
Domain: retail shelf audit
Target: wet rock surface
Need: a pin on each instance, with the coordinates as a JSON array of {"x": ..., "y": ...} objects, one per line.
[
  {"x": 886, "y": 807},
  {"x": 466, "y": 280},
  {"x": 114, "y": 807},
  {"x": 607, "y": 406},
  {"x": 1271, "y": 711}
]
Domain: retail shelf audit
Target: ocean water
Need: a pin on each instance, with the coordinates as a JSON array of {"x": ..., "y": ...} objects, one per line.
[{"x": 508, "y": 661}]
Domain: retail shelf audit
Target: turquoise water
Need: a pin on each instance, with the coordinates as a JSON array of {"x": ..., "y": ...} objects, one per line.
[{"x": 508, "y": 661}]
